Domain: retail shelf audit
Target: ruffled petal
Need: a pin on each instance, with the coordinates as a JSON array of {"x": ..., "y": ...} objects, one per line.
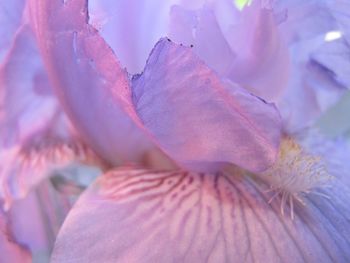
[
  {"x": 92, "y": 86},
  {"x": 341, "y": 12},
  {"x": 334, "y": 56},
  {"x": 140, "y": 216},
  {"x": 197, "y": 118},
  {"x": 243, "y": 46},
  {"x": 315, "y": 83}
]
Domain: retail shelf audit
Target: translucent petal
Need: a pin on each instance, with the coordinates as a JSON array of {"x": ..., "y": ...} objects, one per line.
[
  {"x": 243, "y": 46},
  {"x": 197, "y": 118},
  {"x": 131, "y": 27}
]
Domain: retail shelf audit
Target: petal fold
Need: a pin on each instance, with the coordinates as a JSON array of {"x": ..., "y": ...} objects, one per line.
[
  {"x": 197, "y": 118},
  {"x": 88, "y": 79}
]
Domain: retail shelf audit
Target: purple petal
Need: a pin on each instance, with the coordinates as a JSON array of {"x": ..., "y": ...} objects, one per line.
[
  {"x": 315, "y": 83},
  {"x": 341, "y": 12},
  {"x": 35, "y": 136},
  {"x": 334, "y": 56},
  {"x": 197, "y": 118},
  {"x": 139, "y": 216},
  {"x": 131, "y": 27},
  {"x": 242, "y": 46},
  {"x": 11, "y": 15},
  {"x": 26, "y": 104},
  {"x": 10, "y": 251},
  {"x": 92, "y": 86}
]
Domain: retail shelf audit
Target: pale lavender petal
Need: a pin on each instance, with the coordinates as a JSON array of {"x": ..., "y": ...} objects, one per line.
[
  {"x": 335, "y": 57},
  {"x": 35, "y": 136},
  {"x": 92, "y": 86},
  {"x": 304, "y": 20},
  {"x": 11, "y": 14},
  {"x": 131, "y": 27},
  {"x": 197, "y": 118},
  {"x": 242, "y": 46},
  {"x": 36, "y": 219},
  {"x": 139, "y": 216},
  {"x": 26, "y": 104},
  {"x": 316, "y": 83},
  {"x": 10, "y": 251},
  {"x": 341, "y": 12}
]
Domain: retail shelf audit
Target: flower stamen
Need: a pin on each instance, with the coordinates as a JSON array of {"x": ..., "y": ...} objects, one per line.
[{"x": 295, "y": 174}]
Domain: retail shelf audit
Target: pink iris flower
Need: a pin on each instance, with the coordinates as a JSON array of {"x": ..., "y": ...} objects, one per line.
[{"x": 192, "y": 111}]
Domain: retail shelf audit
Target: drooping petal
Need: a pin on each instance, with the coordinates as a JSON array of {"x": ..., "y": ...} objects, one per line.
[
  {"x": 92, "y": 86},
  {"x": 197, "y": 118},
  {"x": 10, "y": 251},
  {"x": 140, "y": 216}
]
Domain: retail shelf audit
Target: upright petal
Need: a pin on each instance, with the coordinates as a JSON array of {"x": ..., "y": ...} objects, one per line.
[
  {"x": 140, "y": 216},
  {"x": 242, "y": 45},
  {"x": 92, "y": 86},
  {"x": 131, "y": 27},
  {"x": 197, "y": 118},
  {"x": 26, "y": 104},
  {"x": 11, "y": 14}
]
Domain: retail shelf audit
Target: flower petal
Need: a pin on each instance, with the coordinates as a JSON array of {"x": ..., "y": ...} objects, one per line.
[
  {"x": 92, "y": 86},
  {"x": 26, "y": 104},
  {"x": 341, "y": 11},
  {"x": 9, "y": 250},
  {"x": 334, "y": 56},
  {"x": 132, "y": 33},
  {"x": 197, "y": 118},
  {"x": 315, "y": 84},
  {"x": 35, "y": 136},
  {"x": 140, "y": 216},
  {"x": 11, "y": 13},
  {"x": 243, "y": 46}
]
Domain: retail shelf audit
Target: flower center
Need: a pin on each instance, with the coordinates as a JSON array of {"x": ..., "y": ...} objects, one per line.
[{"x": 295, "y": 174}]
